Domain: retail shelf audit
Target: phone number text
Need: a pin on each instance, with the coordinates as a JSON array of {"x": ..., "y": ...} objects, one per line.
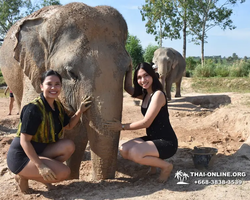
[{"x": 218, "y": 182}]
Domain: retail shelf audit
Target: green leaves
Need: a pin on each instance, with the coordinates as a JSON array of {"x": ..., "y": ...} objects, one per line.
[
  {"x": 162, "y": 19},
  {"x": 135, "y": 50},
  {"x": 13, "y": 10}
]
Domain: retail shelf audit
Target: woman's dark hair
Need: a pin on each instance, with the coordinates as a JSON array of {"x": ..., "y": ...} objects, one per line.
[
  {"x": 50, "y": 73},
  {"x": 156, "y": 85}
]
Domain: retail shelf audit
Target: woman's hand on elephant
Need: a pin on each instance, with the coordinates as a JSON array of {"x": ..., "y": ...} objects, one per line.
[
  {"x": 114, "y": 125},
  {"x": 85, "y": 104},
  {"x": 46, "y": 173}
]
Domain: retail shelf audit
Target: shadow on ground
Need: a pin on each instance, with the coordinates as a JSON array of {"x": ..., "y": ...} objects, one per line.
[{"x": 198, "y": 103}]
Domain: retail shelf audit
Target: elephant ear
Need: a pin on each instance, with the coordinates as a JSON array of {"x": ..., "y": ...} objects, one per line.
[{"x": 30, "y": 50}]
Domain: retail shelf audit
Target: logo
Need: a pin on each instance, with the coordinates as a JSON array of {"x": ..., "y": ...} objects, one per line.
[{"x": 181, "y": 177}]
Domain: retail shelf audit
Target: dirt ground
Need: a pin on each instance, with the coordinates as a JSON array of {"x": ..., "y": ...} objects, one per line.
[{"x": 203, "y": 120}]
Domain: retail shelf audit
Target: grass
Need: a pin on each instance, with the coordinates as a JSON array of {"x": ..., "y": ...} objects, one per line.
[
  {"x": 2, "y": 93},
  {"x": 221, "y": 84},
  {"x": 2, "y": 82}
]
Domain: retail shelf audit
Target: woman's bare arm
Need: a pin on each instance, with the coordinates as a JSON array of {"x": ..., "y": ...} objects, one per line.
[
  {"x": 158, "y": 100},
  {"x": 128, "y": 87},
  {"x": 128, "y": 82}
]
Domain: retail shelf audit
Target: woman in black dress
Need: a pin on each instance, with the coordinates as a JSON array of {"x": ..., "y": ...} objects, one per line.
[{"x": 161, "y": 142}]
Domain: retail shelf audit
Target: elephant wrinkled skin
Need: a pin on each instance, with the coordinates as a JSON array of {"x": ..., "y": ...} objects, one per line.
[
  {"x": 171, "y": 67},
  {"x": 86, "y": 45}
]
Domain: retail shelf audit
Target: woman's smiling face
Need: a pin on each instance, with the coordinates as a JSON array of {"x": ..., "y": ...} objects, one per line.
[
  {"x": 51, "y": 87},
  {"x": 144, "y": 79}
]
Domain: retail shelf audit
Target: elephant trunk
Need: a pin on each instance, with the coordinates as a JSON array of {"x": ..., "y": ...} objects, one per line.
[
  {"x": 103, "y": 142},
  {"x": 104, "y": 156}
]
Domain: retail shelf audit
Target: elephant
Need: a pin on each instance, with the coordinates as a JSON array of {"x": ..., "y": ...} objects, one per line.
[
  {"x": 171, "y": 67},
  {"x": 86, "y": 46}
]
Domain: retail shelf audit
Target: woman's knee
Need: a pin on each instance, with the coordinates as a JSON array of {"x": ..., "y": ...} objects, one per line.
[
  {"x": 135, "y": 154},
  {"x": 63, "y": 174},
  {"x": 68, "y": 146},
  {"x": 123, "y": 151}
]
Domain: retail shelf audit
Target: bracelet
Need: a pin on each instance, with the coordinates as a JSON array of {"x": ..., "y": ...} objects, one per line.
[{"x": 123, "y": 127}]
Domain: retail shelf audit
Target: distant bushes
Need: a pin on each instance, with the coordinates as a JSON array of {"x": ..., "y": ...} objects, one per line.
[
  {"x": 238, "y": 68},
  {"x": 2, "y": 82}
]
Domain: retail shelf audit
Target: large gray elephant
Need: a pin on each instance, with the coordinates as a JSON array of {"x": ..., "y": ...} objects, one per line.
[
  {"x": 171, "y": 67},
  {"x": 86, "y": 45}
]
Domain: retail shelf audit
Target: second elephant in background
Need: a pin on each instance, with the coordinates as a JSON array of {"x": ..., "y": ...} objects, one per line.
[{"x": 171, "y": 67}]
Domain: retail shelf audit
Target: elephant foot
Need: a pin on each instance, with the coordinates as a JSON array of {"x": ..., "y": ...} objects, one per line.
[{"x": 177, "y": 95}]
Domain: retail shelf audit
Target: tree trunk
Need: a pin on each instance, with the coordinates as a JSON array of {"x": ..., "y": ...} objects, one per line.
[
  {"x": 203, "y": 43},
  {"x": 202, "y": 51},
  {"x": 184, "y": 38},
  {"x": 160, "y": 34}
]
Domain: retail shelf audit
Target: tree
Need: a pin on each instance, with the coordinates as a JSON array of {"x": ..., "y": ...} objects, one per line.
[
  {"x": 40, "y": 4},
  {"x": 207, "y": 14},
  {"x": 135, "y": 50},
  {"x": 149, "y": 53},
  {"x": 162, "y": 20},
  {"x": 13, "y": 10},
  {"x": 9, "y": 14},
  {"x": 235, "y": 56}
]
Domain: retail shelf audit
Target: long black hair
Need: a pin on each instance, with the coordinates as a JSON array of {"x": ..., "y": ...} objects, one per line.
[
  {"x": 50, "y": 73},
  {"x": 156, "y": 85}
]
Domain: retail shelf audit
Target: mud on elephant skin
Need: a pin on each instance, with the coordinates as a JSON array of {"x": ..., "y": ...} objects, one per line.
[
  {"x": 86, "y": 45},
  {"x": 171, "y": 67}
]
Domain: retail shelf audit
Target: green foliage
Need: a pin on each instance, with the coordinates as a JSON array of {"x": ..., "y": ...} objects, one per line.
[
  {"x": 9, "y": 14},
  {"x": 135, "y": 50},
  {"x": 13, "y": 10},
  {"x": 222, "y": 70},
  {"x": 2, "y": 82},
  {"x": 204, "y": 15},
  {"x": 38, "y": 4},
  {"x": 149, "y": 53},
  {"x": 162, "y": 19},
  {"x": 240, "y": 69},
  {"x": 204, "y": 71},
  {"x": 190, "y": 63}
]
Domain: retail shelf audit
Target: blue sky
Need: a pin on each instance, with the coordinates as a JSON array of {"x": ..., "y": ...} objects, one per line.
[{"x": 220, "y": 42}]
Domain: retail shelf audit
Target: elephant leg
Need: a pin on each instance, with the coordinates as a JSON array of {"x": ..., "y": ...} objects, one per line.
[
  {"x": 29, "y": 93},
  {"x": 168, "y": 89},
  {"x": 79, "y": 136},
  {"x": 18, "y": 103},
  {"x": 178, "y": 88}
]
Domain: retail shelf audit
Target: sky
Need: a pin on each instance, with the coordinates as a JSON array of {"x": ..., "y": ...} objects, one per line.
[{"x": 219, "y": 42}]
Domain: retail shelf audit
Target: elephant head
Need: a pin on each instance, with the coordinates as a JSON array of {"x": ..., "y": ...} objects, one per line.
[
  {"x": 171, "y": 66},
  {"x": 86, "y": 45}
]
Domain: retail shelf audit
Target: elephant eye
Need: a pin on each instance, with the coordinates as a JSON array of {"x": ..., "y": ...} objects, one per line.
[{"x": 72, "y": 75}]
